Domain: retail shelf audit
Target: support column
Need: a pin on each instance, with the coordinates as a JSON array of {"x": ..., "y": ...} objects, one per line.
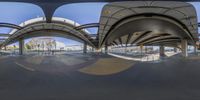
[
  {"x": 92, "y": 49},
  {"x": 106, "y": 49},
  {"x": 175, "y": 49},
  {"x": 125, "y": 50},
  {"x": 195, "y": 49},
  {"x": 5, "y": 48},
  {"x": 21, "y": 46},
  {"x": 85, "y": 48},
  {"x": 141, "y": 49},
  {"x": 184, "y": 46},
  {"x": 162, "y": 51}
]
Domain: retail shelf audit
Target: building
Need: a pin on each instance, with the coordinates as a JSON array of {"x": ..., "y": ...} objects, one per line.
[{"x": 44, "y": 43}]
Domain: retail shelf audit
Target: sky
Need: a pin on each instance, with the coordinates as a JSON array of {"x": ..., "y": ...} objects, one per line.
[
  {"x": 197, "y": 7},
  {"x": 16, "y": 13},
  {"x": 69, "y": 41},
  {"x": 82, "y": 13}
]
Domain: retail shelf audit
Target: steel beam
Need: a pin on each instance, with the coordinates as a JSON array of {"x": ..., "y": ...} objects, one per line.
[
  {"x": 9, "y": 25},
  {"x": 4, "y": 35},
  {"x": 140, "y": 37},
  {"x": 90, "y": 25}
]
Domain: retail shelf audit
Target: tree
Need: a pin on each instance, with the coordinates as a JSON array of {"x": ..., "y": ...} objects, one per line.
[{"x": 27, "y": 46}]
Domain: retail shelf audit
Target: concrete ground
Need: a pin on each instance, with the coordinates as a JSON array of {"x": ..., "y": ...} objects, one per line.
[{"x": 98, "y": 77}]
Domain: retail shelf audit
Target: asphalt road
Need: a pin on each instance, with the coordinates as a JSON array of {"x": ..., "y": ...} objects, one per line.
[{"x": 59, "y": 78}]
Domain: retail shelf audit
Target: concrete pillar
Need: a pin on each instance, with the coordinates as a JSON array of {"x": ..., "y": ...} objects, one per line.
[
  {"x": 5, "y": 48},
  {"x": 92, "y": 49},
  {"x": 175, "y": 49},
  {"x": 195, "y": 48},
  {"x": 106, "y": 49},
  {"x": 141, "y": 49},
  {"x": 125, "y": 50},
  {"x": 162, "y": 51},
  {"x": 146, "y": 49},
  {"x": 85, "y": 48},
  {"x": 184, "y": 46},
  {"x": 21, "y": 46}
]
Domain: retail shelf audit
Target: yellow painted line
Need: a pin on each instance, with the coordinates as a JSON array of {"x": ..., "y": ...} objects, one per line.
[
  {"x": 22, "y": 66},
  {"x": 107, "y": 66}
]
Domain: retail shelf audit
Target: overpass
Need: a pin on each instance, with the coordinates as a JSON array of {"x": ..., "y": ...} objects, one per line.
[
  {"x": 50, "y": 6},
  {"x": 143, "y": 23}
]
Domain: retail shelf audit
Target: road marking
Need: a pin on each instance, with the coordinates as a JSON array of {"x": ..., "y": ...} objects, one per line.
[{"x": 22, "y": 66}]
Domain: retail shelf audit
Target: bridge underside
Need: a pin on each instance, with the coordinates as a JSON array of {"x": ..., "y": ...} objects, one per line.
[
  {"x": 128, "y": 23},
  {"x": 144, "y": 23}
]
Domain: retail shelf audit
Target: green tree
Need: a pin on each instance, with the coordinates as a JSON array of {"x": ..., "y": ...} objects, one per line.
[{"x": 28, "y": 46}]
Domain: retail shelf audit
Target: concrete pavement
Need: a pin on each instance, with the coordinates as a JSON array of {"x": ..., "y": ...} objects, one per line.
[{"x": 58, "y": 78}]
